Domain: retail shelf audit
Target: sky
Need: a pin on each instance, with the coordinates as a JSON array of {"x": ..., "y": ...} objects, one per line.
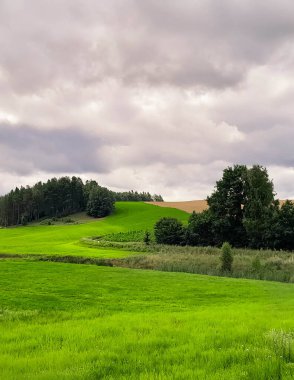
[{"x": 149, "y": 95}]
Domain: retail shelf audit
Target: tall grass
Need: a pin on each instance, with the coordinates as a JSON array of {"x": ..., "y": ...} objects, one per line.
[
  {"x": 247, "y": 263},
  {"x": 274, "y": 266}
]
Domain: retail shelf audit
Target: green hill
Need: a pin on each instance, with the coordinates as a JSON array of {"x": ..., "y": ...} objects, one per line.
[{"x": 65, "y": 239}]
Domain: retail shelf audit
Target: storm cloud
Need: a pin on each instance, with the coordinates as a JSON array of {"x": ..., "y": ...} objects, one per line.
[{"x": 156, "y": 96}]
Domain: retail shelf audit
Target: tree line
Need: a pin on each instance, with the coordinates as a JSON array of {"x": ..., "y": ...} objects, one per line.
[
  {"x": 62, "y": 197},
  {"x": 134, "y": 196},
  {"x": 242, "y": 211}
]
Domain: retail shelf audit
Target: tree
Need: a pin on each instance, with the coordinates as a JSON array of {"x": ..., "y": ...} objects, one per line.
[
  {"x": 200, "y": 230},
  {"x": 157, "y": 198},
  {"x": 89, "y": 185},
  {"x": 169, "y": 231},
  {"x": 280, "y": 228},
  {"x": 226, "y": 205},
  {"x": 134, "y": 196},
  {"x": 226, "y": 257},
  {"x": 100, "y": 202},
  {"x": 259, "y": 206},
  {"x": 286, "y": 226},
  {"x": 243, "y": 206}
]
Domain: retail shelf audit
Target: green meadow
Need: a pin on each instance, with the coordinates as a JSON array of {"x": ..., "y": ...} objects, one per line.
[{"x": 73, "y": 321}]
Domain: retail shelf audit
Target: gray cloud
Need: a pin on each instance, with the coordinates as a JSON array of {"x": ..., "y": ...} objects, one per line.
[
  {"x": 24, "y": 150},
  {"x": 161, "y": 95},
  {"x": 186, "y": 44}
]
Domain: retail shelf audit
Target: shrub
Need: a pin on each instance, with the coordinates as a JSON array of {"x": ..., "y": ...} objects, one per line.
[
  {"x": 147, "y": 238},
  {"x": 68, "y": 220},
  {"x": 256, "y": 264},
  {"x": 274, "y": 263},
  {"x": 226, "y": 257},
  {"x": 169, "y": 231},
  {"x": 46, "y": 222}
]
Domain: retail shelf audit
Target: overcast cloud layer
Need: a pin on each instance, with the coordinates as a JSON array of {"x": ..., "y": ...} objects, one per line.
[{"x": 148, "y": 95}]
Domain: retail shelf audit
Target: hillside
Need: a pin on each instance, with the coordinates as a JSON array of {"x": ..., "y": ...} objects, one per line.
[{"x": 65, "y": 239}]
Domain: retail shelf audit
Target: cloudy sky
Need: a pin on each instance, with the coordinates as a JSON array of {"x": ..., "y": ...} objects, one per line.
[{"x": 145, "y": 94}]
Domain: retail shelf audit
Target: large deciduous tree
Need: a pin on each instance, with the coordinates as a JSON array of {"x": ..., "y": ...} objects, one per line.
[
  {"x": 260, "y": 205},
  {"x": 242, "y": 205},
  {"x": 226, "y": 205},
  {"x": 200, "y": 230},
  {"x": 280, "y": 228}
]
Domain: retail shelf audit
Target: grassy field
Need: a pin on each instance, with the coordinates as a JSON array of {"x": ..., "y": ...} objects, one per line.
[
  {"x": 65, "y": 239},
  {"x": 69, "y": 321},
  {"x": 64, "y": 321}
]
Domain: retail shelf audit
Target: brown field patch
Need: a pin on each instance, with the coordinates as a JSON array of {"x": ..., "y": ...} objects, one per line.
[{"x": 188, "y": 206}]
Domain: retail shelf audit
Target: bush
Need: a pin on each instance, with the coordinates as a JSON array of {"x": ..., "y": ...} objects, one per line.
[
  {"x": 169, "y": 231},
  {"x": 226, "y": 257},
  {"x": 46, "y": 222},
  {"x": 256, "y": 265},
  {"x": 68, "y": 220},
  {"x": 147, "y": 238}
]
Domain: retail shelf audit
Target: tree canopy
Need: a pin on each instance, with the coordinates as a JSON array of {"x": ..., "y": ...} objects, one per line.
[
  {"x": 241, "y": 205},
  {"x": 227, "y": 204},
  {"x": 100, "y": 202}
]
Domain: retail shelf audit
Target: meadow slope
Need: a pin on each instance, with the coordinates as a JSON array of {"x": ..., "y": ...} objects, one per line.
[{"x": 65, "y": 239}]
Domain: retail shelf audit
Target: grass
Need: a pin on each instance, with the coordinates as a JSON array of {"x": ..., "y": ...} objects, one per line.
[
  {"x": 85, "y": 322},
  {"x": 64, "y": 321},
  {"x": 65, "y": 239}
]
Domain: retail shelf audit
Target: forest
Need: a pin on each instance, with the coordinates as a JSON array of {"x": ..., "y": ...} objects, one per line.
[{"x": 62, "y": 197}]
